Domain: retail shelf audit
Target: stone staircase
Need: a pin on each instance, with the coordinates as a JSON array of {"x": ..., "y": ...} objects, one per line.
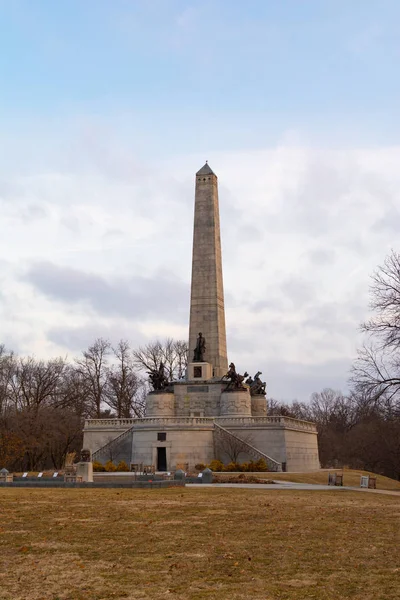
[
  {"x": 120, "y": 448},
  {"x": 252, "y": 451}
]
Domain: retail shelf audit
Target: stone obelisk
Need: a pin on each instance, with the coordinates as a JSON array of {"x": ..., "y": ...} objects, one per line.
[{"x": 207, "y": 310}]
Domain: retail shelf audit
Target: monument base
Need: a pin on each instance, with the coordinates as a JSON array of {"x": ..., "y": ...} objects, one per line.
[
  {"x": 202, "y": 371},
  {"x": 258, "y": 406},
  {"x": 184, "y": 441},
  {"x": 235, "y": 404},
  {"x": 160, "y": 404}
]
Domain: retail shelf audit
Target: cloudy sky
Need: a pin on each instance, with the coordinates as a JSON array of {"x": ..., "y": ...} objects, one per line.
[{"x": 107, "y": 109}]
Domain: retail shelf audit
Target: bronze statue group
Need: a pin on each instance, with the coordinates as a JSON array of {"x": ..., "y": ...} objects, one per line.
[{"x": 160, "y": 381}]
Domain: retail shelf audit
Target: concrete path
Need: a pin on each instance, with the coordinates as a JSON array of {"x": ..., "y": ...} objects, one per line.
[{"x": 288, "y": 485}]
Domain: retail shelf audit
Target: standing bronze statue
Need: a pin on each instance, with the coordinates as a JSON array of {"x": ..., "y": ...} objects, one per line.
[{"x": 200, "y": 349}]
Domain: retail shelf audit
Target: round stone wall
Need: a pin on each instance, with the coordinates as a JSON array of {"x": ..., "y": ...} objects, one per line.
[
  {"x": 160, "y": 405},
  {"x": 258, "y": 406},
  {"x": 235, "y": 404}
]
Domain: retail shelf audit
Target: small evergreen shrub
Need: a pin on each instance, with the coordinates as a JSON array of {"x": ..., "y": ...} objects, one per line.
[
  {"x": 260, "y": 465},
  {"x": 246, "y": 467},
  {"x": 242, "y": 478},
  {"x": 98, "y": 467},
  {"x": 231, "y": 467},
  {"x": 122, "y": 466},
  {"x": 110, "y": 467},
  {"x": 216, "y": 465}
]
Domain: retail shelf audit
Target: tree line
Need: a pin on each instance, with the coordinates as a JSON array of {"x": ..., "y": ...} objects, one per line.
[
  {"x": 352, "y": 432},
  {"x": 43, "y": 403}
]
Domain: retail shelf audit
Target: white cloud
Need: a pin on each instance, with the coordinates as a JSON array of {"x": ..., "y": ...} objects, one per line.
[{"x": 302, "y": 229}]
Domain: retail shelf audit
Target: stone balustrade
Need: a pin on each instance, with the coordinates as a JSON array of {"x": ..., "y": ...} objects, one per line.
[
  {"x": 196, "y": 421},
  {"x": 289, "y": 422}
]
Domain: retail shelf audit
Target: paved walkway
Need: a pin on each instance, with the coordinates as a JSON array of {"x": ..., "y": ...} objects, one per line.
[
  {"x": 289, "y": 485},
  {"x": 268, "y": 486}
]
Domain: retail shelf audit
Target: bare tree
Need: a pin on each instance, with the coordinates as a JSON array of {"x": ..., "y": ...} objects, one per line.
[
  {"x": 93, "y": 368},
  {"x": 7, "y": 367},
  {"x": 180, "y": 358},
  {"x": 31, "y": 426},
  {"x": 295, "y": 410},
  {"x": 384, "y": 325},
  {"x": 72, "y": 395},
  {"x": 172, "y": 353},
  {"x": 324, "y": 404},
  {"x": 64, "y": 435},
  {"x": 112, "y": 451},
  {"x": 232, "y": 446},
  {"x": 376, "y": 371},
  {"x": 124, "y": 392},
  {"x": 34, "y": 383},
  {"x": 11, "y": 447}
]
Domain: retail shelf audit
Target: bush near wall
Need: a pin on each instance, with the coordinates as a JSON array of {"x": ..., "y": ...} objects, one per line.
[
  {"x": 247, "y": 467},
  {"x": 110, "y": 467},
  {"x": 216, "y": 465},
  {"x": 98, "y": 467},
  {"x": 122, "y": 466},
  {"x": 200, "y": 466}
]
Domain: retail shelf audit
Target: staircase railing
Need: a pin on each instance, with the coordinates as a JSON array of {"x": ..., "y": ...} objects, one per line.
[
  {"x": 107, "y": 448},
  {"x": 272, "y": 464}
]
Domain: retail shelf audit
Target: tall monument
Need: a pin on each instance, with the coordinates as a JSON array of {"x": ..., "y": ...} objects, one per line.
[
  {"x": 207, "y": 310},
  {"x": 196, "y": 419}
]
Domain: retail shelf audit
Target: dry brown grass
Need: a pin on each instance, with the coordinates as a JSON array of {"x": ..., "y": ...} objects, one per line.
[
  {"x": 351, "y": 478},
  {"x": 198, "y": 543}
]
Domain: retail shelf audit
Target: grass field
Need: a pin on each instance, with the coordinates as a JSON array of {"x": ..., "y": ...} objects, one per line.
[
  {"x": 198, "y": 543},
  {"x": 351, "y": 478}
]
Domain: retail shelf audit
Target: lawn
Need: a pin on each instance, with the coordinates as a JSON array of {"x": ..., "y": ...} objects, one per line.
[
  {"x": 351, "y": 478},
  {"x": 220, "y": 543}
]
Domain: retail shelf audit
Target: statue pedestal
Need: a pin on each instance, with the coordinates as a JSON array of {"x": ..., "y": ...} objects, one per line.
[
  {"x": 258, "y": 406},
  {"x": 235, "y": 404},
  {"x": 160, "y": 404},
  {"x": 199, "y": 370},
  {"x": 85, "y": 470}
]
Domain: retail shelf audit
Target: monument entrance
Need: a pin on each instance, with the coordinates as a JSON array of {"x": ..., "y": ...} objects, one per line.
[{"x": 161, "y": 459}]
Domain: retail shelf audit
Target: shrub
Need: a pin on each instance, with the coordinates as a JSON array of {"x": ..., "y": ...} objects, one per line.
[
  {"x": 98, "y": 466},
  {"x": 242, "y": 478},
  {"x": 232, "y": 466},
  {"x": 110, "y": 467},
  {"x": 261, "y": 465},
  {"x": 122, "y": 466},
  {"x": 200, "y": 467},
  {"x": 246, "y": 467},
  {"x": 216, "y": 465}
]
